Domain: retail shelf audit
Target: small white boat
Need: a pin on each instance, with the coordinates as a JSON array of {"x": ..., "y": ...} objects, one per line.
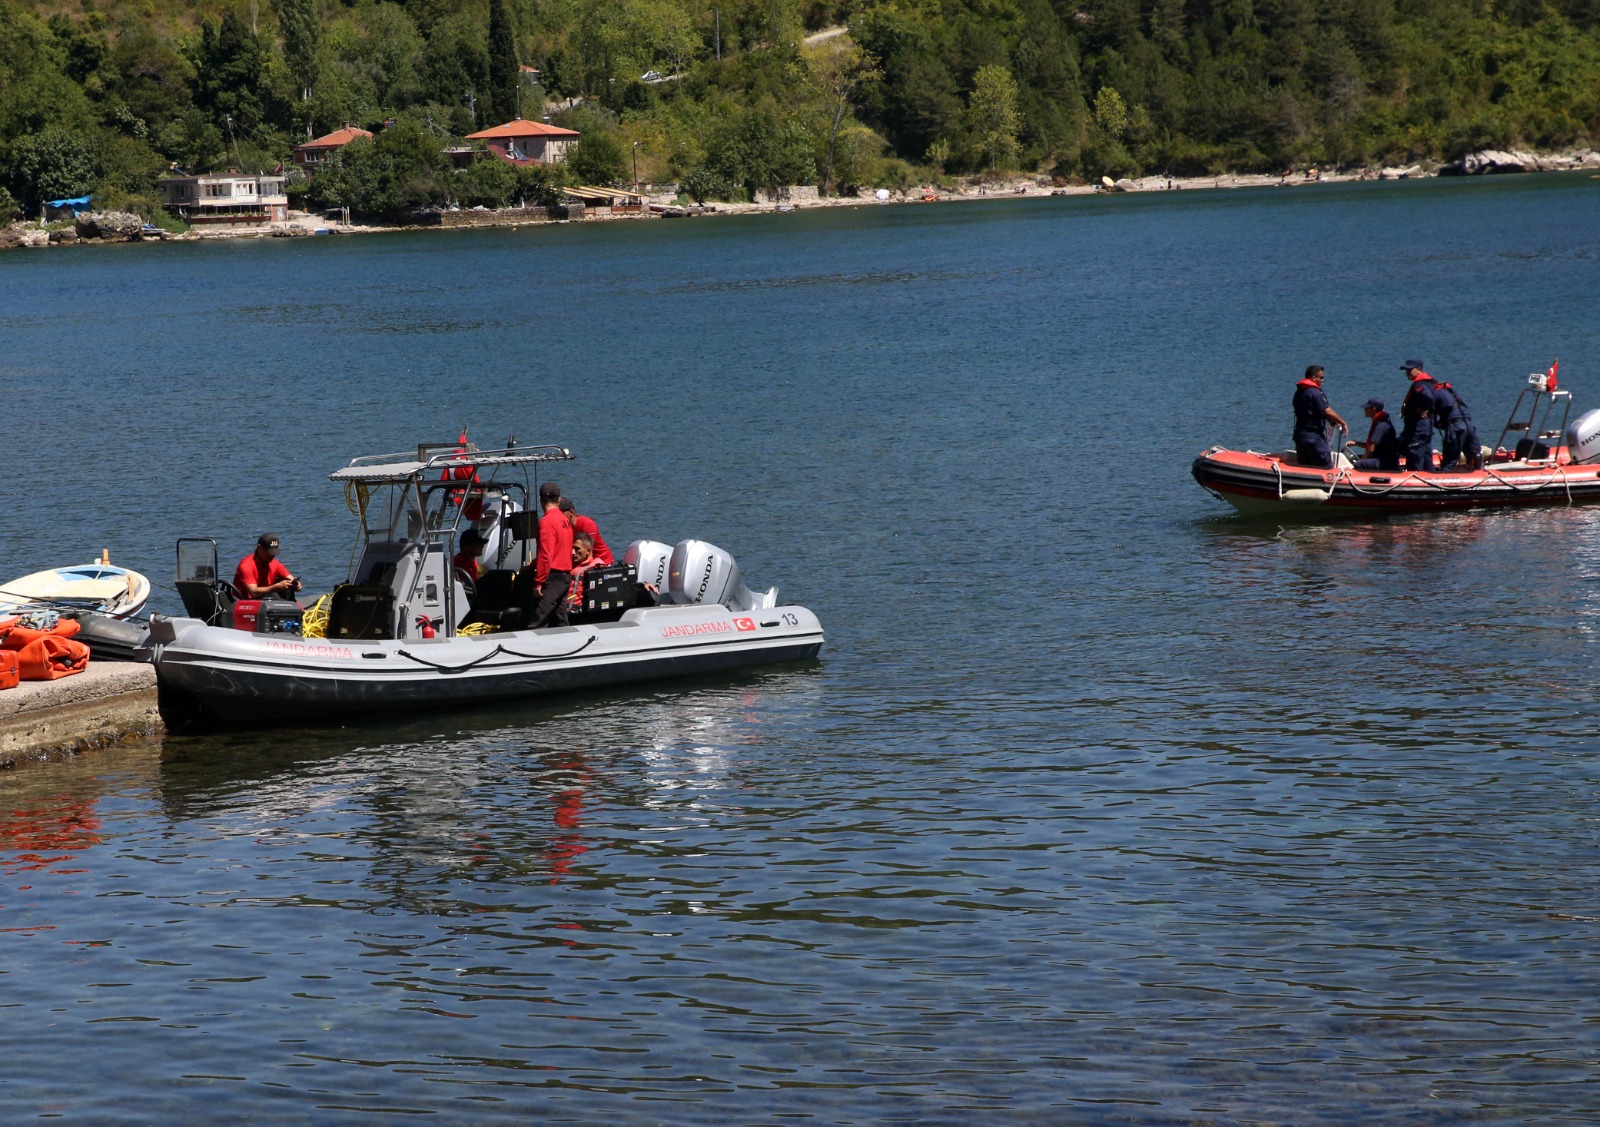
[{"x": 99, "y": 587}]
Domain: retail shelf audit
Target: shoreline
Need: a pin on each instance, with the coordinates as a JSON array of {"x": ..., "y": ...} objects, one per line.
[{"x": 34, "y": 234}]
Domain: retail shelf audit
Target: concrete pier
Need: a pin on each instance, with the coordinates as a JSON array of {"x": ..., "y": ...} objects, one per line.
[{"x": 104, "y": 703}]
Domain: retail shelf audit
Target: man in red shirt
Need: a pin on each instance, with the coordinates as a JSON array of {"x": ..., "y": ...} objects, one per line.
[
  {"x": 587, "y": 525},
  {"x": 261, "y": 575},
  {"x": 552, "y": 571}
]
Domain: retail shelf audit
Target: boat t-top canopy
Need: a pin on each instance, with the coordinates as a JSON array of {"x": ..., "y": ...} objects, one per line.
[{"x": 407, "y": 466}]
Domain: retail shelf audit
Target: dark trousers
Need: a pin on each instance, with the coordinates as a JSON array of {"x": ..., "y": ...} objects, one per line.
[
  {"x": 1312, "y": 450},
  {"x": 1418, "y": 444},
  {"x": 552, "y": 608},
  {"x": 1461, "y": 439}
]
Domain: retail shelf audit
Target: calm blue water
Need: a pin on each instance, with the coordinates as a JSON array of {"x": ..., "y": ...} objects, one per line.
[{"x": 1101, "y": 806}]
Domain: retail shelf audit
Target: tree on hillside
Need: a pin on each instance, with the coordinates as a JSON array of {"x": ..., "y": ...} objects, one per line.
[
  {"x": 455, "y": 66},
  {"x": 992, "y": 119},
  {"x": 504, "y": 66},
  {"x": 762, "y": 152},
  {"x": 598, "y": 159},
  {"x": 402, "y": 168},
  {"x": 230, "y": 67},
  {"x": 837, "y": 71},
  {"x": 34, "y": 89},
  {"x": 52, "y": 164},
  {"x": 302, "y": 42}
]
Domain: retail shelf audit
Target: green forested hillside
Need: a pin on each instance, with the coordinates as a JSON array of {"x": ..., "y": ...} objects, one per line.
[{"x": 108, "y": 95}]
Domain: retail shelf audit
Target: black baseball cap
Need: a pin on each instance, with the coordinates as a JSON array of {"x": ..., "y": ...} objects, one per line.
[
  {"x": 1409, "y": 364},
  {"x": 267, "y": 540},
  {"x": 549, "y": 491},
  {"x": 1375, "y": 404}
]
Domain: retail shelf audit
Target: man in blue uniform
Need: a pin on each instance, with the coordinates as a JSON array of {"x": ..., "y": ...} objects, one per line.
[
  {"x": 1311, "y": 418},
  {"x": 1416, "y": 437},
  {"x": 1382, "y": 448},
  {"x": 1460, "y": 435}
]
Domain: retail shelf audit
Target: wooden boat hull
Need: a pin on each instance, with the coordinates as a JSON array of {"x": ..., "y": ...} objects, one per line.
[
  {"x": 99, "y": 587},
  {"x": 1273, "y": 484}
]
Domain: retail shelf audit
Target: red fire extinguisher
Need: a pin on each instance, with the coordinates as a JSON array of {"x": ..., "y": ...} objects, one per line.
[{"x": 425, "y": 625}]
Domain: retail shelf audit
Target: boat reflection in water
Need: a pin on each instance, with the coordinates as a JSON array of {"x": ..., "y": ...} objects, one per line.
[{"x": 425, "y": 821}]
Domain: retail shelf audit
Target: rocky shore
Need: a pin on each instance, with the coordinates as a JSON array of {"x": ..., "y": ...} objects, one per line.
[{"x": 117, "y": 227}]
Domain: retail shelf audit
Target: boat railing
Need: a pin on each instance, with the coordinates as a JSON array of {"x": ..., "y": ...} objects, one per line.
[
  {"x": 1535, "y": 428},
  {"x": 426, "y": 458}
]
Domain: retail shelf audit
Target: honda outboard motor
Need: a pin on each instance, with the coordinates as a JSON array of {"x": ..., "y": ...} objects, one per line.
[
  {"x": 1583, "y": 437},
  {"x": 650, "y": 558},
  {"x": 704, "y": 573}
]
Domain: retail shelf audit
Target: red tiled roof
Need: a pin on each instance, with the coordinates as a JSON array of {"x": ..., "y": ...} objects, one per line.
[
  {"x": 336, "y": 139},
  {"x": 521, "y": 128}
]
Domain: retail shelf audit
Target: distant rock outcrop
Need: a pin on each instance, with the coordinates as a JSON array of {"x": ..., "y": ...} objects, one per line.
[
  {"x": 112, "y": 226},
  {"x": 1489, "y": 162}
]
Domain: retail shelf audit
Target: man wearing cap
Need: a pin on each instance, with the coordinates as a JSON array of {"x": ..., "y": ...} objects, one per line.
[
  {"x": 1311, "y": 418},
  {"x": 552, "y": 569},
  {"x": 261, "y": 575},
  {"x": 466, "y": 561},
  {"x": 1417, "y": 411},
  {"x": 1382, "y": 448}
]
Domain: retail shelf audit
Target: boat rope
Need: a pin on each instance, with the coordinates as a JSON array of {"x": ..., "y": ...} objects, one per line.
[
  {"x": 314, "y": 623},
  {"x": 1411, "y": 477},
  {"x": 495, "y": 653}
]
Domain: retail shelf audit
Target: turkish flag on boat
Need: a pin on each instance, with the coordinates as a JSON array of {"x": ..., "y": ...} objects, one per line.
[{"x": 1550, "y": 376}]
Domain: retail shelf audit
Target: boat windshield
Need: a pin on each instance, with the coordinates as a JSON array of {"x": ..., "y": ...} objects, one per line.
[{"x": 391, "y": 511}]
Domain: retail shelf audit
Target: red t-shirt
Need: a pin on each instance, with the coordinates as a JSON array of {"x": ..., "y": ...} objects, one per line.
[
  {"x": 555, "y": 545},
  {"x": 601, "y": 552},
  {"x": 249, "y": 571}
]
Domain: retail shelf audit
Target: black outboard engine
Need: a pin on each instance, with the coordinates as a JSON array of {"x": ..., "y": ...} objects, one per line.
[{"x": 703, "y": 573}]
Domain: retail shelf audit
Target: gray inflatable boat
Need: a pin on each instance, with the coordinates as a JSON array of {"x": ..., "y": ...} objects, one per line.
[{"x": 410, "y": 631}]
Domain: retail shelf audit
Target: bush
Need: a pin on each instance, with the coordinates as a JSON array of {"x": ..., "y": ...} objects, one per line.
[
  {"x": 402, "y": 168},
  {"x": 10, "y": 210},
  {"x": 702, "y": 184},
  {"x": 598, "y": 159},
  {"x": 52, "y": 164}
]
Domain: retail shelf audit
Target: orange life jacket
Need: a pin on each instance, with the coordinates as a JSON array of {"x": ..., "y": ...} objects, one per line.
[
  {"x": 49, "y": 656},
  {"x": 20, "y": 636}
]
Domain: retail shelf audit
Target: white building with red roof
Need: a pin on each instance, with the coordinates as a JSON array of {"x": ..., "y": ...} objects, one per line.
[
  {"x": 313, "y": 153},
  {"x": 528, "y": 142}
]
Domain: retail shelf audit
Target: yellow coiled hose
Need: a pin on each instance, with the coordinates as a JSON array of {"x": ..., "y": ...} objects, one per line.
[{"x": 314, "y": 623}]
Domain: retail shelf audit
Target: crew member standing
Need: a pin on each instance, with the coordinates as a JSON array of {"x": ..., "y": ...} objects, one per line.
[
  {"x": 1416, "y": 437},
  {"x": 1311, "y": 418},
  {"x": 1460, "y": 435},
  {"x": 552, "y": 572},
  {"x": 1382, "y": 448},
  {"x": 261, "y": 575}
]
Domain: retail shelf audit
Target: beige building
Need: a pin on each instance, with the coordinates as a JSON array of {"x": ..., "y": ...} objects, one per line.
[
  {"x": 227, "y": 197},
  {"x": 528, "y": 142}
]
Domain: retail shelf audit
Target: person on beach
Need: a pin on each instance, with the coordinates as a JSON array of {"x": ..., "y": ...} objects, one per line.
[
  {"x": 552, "y": 573},
  {"x": 1382, "y": 448},
  {"x": 581, "y": 523},
  {"x": 1460, "y": 434},
  {"x": 261, "y": 575},
  {"x": 1416, "y": 412},
  {"x": 1311, "y": 418}
]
